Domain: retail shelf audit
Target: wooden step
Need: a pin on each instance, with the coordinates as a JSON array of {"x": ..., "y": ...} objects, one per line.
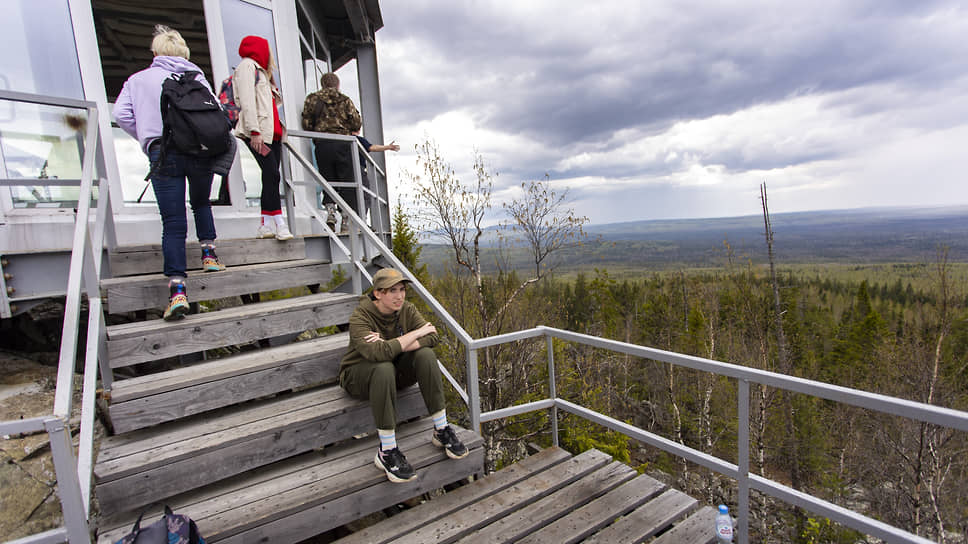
[
  {"x": 293, "y": 500},
  {"x": 147, "y": 259},
  {"x": 651, "y": 518},
  {"x": 574, "y": 513},
  {"x": 133, "y": 343},
  {"x": 458, "y": 500},
  {"x": 589, "y": 519},
  {"x": 496, "y": 507},
  {"x": 131, "y": 293},
  {"x": 699, "y": 528},
  {"x": 550, "y": 500},
  {"x": 140, "y": 467},
  {"x": 165, "y": 396}
]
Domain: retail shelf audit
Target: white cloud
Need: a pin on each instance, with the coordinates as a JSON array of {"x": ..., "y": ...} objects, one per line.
[{"x": 682, "y": 109}]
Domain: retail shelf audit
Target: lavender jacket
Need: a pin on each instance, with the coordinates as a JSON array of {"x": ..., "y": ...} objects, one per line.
[{"x": 138, "y": 108}]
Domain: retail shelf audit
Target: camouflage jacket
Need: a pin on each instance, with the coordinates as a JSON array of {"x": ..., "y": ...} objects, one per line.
[{"x": 329, "y": 110}]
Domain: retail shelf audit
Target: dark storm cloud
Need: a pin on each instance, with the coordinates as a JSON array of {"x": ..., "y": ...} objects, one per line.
[{"x": 526, "y": 76}]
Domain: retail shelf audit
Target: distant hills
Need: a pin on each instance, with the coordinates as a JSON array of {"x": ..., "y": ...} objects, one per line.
[{"x": 865, "y": 235}]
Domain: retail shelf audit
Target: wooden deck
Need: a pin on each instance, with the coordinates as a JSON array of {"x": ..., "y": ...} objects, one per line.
[{"x": 552, "y": 497}]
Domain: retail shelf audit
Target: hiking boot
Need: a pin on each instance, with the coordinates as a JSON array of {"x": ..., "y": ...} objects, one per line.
[
  {"x": 395, "y": 465},
  {"x": 446, "y": 438},
  {"x": 210, "y": 262},
  {"x": 265, "y": 231},
  {"x": 282, "y": 232},
  {"x": 177, "y": 303},
  {"x": 331, "y": 216}
]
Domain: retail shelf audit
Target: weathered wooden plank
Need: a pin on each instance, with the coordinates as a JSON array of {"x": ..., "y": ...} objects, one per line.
[
  {"x": 274, "y": 441},
  {"x": 285, "y": 510},
  {"x": 237, "y": 504},
  {"x": 588, "y": 519},
  {"x": 189, "y": 401},
  {"x": 141, "y": 292},
  {"x": 310, "y": 369},
  {"x": 525, "y": 521},
  {"x": 649, "y": 519},
  {"x": 515, "y": 497},
  {"x": 442, "y": 507},
  {"x": 125, "y": 390},
  {"x": 149, "y": 450},
  {"x": 699, "y": 528},
  {"x": 305, "y": 524},
  {"x": 133, "y": 343},
  {"x": 150, "y": 442},
  {"x": 147, "y": 259},
  {"x": 241, "y": 489}
]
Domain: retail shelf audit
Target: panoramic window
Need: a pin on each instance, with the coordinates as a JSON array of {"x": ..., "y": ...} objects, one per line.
[{"x": 39, "y": 141}]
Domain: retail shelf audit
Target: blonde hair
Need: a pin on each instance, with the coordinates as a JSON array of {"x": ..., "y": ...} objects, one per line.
[{"x": 169, "y": 43}]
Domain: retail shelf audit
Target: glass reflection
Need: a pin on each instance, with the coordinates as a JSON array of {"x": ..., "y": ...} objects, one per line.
[
  {"x": 42, "y": 142},
  {"x": 39, "y": 55},
  {"x": 241, "y": 19}
]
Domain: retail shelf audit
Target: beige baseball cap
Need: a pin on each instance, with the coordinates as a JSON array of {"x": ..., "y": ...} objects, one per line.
[{"x": 387, "y": 278}]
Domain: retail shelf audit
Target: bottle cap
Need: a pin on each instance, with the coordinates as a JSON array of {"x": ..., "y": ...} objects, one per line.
[{"x": 723, "y": 509}]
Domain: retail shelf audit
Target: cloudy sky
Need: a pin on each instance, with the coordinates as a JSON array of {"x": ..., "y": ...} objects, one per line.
[{"x": 657, "y": 110}]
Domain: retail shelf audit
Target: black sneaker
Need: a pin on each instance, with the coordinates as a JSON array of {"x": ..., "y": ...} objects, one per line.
[
  {"x": 395, "y": 464},
  {"x": 446, "y": 438}
]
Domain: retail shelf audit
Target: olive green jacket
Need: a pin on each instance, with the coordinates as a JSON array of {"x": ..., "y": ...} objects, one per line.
[{"x": 367, "y": 318}]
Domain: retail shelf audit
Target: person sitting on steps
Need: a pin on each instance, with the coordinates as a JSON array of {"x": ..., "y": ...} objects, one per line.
[{"x": 391, "y": 347}]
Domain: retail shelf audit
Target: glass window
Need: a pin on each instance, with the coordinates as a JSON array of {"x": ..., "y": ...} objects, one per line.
[
  {"x": 42, "y": 143},
  {"x": 241, "y": 19},
  {"x": 39, "y": 54}
]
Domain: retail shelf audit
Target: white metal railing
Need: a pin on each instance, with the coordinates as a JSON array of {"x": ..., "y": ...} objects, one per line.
[
  {"x": 927, "y": 413},
  {"x": 744, "y": 375},
  {"x": 75, "y": 472}
]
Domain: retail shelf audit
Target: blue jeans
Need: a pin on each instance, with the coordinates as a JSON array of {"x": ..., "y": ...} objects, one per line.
[{"x": 168, "y": 182}]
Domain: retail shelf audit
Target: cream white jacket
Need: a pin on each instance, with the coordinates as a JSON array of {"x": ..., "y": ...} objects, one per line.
[{"x": 254, "y": 99}]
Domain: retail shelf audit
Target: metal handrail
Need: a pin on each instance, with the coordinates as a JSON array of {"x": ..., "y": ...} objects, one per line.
[
  {"x": 744, "y": 375},
  {"x": 75, "y": 474},
  {"x": 927, "y": 413}
]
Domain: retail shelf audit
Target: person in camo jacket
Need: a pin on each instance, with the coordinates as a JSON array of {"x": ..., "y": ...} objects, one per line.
[
  {"x": 328, "y": 110},
  {"x": 391, "y": 347}
]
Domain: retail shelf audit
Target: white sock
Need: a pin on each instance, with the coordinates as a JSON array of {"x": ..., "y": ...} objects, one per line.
[
  {"x": 280, "y": 220},
  {"x": 266, "y": 219},
  {"x": 388, "y": 439},
  {"x": 440, "y": 419}
]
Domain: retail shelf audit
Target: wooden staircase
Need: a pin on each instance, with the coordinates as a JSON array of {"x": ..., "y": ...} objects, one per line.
[{"x": 256, "y": 446}]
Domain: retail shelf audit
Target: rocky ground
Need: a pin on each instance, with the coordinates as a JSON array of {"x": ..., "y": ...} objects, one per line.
[{"x": 29, "y": 503}]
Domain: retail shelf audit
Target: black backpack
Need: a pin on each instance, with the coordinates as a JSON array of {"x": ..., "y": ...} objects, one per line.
[{"x": 192, "y": 117}]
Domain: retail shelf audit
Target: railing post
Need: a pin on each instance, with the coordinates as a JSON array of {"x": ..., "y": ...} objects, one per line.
[
  {"x": 288, "y": 192},
  {"x": 68, "y": 487},
  {"x": 552, "y": 388},
  {"x": 743, "y": 461},
  {"x": 473, "y": 390}
]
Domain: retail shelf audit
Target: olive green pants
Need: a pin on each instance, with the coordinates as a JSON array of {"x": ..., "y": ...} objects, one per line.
[{"x": 379, "y": 382}]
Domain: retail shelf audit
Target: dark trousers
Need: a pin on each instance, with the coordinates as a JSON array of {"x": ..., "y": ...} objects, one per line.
[
  {"x": 379, "y": 382},
  {"x": 334, "y": 162},
  {"x": 168, "y": 183},
  {"x": 269, "y": 164}
]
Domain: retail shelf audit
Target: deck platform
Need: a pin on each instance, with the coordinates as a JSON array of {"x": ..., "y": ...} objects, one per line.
[{"x": 552, "y": 497}]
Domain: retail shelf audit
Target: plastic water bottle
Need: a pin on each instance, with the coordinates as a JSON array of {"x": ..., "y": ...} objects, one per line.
[{"x": 724, "y": 525}]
